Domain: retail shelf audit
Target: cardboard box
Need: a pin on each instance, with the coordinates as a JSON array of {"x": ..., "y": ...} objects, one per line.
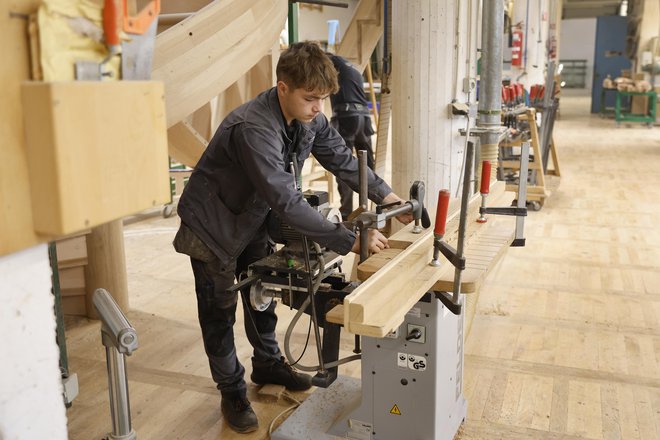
[
  {"x": 96, "y": 151},
  {"x": 639, "y": 105}
]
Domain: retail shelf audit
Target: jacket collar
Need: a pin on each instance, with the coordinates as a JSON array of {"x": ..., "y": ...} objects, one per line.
[{"x": 276, "y": 109}]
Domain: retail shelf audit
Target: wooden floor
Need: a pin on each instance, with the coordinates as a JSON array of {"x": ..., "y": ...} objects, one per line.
[{"x": 565, "y": 343}]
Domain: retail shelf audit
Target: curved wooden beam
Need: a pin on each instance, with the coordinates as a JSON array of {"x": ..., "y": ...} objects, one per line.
[{"x": 203, "y": 55}]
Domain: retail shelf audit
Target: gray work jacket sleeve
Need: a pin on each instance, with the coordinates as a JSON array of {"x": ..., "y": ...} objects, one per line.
[
  {"x": 261, "y": 157},
  {"x": 331, "y": 152}
]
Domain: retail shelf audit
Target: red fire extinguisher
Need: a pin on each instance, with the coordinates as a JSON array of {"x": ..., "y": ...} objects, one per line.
[{"x": 517, "y": 47}]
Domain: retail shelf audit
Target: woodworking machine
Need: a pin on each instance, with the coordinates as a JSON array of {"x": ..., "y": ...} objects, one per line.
[{"x": 412, "y": 379}]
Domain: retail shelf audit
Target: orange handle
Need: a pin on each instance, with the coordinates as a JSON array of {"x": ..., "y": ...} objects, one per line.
[
  {"x": 485, "y": 177},
  {"x": 112, "y": 18},
  {"x": 138, "y": 24},
  {"x": 441, "y": 214}
]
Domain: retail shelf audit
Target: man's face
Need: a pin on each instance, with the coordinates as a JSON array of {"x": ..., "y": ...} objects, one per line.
[{"x": 299, "y": 104}]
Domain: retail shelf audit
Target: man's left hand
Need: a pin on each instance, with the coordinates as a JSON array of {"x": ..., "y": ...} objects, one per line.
[{"x": 403, "y": 218}]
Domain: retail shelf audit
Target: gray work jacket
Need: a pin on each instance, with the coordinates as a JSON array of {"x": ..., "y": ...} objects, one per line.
[{"x": 242, "y": 175}]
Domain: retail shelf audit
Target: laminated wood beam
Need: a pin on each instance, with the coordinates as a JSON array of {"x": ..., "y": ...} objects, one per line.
[
  {"x": 397, "y": 278},
  {"x": 203, "y": 55},
  {"x": 185, "y": 144}
]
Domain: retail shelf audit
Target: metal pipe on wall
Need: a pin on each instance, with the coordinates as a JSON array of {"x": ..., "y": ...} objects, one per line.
[
  {"x": 490, "y": 93},
  {"x": 490, "y": 84}
]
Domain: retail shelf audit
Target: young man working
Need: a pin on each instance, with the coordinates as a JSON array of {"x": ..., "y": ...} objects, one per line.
[{"x": 243, "y": 174}]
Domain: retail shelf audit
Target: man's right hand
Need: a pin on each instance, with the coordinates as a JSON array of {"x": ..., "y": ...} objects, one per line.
[{"x": 377, "y": 242}]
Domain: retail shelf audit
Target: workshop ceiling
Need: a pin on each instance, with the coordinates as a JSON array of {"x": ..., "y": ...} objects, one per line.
[{"x": 590, "y": 8}]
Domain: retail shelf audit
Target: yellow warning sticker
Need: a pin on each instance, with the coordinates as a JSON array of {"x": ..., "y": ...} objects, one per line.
[{"x": 395, "y": 410}]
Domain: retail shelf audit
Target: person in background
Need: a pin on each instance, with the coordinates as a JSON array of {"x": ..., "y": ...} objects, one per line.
[
  {"x": 244, "y": 174},
  {"x": 351, "y": 117}
]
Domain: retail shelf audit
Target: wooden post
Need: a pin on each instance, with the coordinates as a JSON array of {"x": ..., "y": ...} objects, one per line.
[
  {"x": 106, "y": 265},
  {"x": 426, "y": 65},
  {"x": 372, "y": 93}
]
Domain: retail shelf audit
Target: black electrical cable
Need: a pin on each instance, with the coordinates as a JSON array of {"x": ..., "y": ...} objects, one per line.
[{"x": 309, "y": 332}]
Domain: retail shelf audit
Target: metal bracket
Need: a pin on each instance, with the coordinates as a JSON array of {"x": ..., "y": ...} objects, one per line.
[
  {"x": 446, "y": 299},
  {"x": 515, "y": 211}
]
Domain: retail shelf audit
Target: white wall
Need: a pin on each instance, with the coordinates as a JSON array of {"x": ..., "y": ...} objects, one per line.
[
  {"x": 535, "y": 23},
  {"x": 578, "y": 37},
  {"x": 313, "y": 24},
  {"x": 649, "y": 28},
  {"x": 31, "y": 404}
]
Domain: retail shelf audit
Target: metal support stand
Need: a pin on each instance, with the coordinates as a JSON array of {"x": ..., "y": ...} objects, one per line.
[{"x": 119, "y": 339}]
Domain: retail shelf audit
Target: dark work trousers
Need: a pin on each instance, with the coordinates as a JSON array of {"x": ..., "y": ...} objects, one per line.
[
  {"x": 356, "y": 131},
  {"x": 216, "y": 310}
]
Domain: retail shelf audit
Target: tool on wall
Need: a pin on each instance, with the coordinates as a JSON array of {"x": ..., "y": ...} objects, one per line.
[
  {"x": 136, "y": 49},
  {"x": 112, "y": 23}
]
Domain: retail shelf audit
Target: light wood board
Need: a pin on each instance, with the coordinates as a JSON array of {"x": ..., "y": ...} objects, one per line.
[
  {"x": 203, "y": 55},
  {"x": 396, "y": 282}
]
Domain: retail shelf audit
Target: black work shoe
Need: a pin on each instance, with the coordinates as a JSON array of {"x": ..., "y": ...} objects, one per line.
[
  {"x": 239, "y": 414},
  {"x": 279, "y": 372}
]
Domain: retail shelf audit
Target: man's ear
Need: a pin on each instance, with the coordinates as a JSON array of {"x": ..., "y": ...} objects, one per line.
[{"x": 282, "y": 87}]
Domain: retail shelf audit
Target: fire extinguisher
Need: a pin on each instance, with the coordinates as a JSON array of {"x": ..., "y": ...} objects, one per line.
[{"x": 517, "y": 47}]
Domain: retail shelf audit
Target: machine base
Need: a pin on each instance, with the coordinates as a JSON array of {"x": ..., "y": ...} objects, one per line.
[{"x": 320, "y": 411}]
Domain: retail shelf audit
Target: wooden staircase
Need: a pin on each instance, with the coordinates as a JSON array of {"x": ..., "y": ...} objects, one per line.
[{"x": 363, "y": 33}]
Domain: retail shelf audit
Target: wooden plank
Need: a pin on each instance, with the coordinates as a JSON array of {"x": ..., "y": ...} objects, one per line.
[
  {"x": 379, "y": 304},
  {"x": 74, "y": 305},
  {"x": 90, "y": 159},
  {"x": 477, "y": 269},
  {"x": 203, "y": 55},
  {"x": 185, "y": 144},
  {"x": 477, "y": 401},
  {"x": 72, "y": 278},
  {"x": 336, "y": 315},
  {"x": 555, "y": 171},
  {"x": 610, "y": 412},
  {"x": 16, "y": 217},
  {"x": 71, "y": 252}
]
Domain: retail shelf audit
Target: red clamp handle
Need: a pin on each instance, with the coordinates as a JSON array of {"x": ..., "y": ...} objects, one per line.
[
  {"x": 441, "y": 213},
  {"x": 485, "y": 177},
  {"x": 112, "y": 22}
]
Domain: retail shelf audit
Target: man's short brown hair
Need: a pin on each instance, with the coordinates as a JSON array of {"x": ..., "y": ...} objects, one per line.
[{"x": 305, "y": 65}]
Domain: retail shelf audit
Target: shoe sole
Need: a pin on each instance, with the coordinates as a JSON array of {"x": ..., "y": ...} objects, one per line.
[{"x": 244, "y": 430}]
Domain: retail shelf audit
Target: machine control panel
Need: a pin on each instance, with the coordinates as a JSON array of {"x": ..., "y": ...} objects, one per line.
[{"x": 416, "y": 333}]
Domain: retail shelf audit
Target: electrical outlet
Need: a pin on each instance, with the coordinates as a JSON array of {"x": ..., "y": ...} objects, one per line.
[{"x": 469, "y": 84}]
